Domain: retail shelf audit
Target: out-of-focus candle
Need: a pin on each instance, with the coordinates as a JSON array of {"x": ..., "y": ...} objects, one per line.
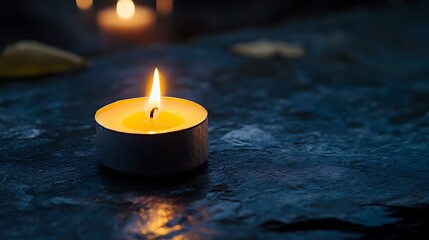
[
  {"x": 164, "y": 7},
  {"x": 152, "y": 136},
  {"x": 125, "y": 18},
  {"x": 86, "y": 12},
  {"x": 84, "y": 4}
]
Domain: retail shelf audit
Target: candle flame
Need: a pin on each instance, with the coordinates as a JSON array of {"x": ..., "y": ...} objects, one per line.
[
  {"x": 125, "y": 9},
  {"x": 154, "y": 98},
  {"x": 84, "y": 4}
]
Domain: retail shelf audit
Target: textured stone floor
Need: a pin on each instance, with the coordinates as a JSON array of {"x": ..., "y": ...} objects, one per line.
[{"x": 334, "y": 145}]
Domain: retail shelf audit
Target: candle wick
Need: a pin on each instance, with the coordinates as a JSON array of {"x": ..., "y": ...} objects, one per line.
[{"x": 153, "y": 112}]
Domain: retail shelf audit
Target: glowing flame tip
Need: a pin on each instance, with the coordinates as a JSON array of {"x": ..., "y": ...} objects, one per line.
[
  {"x": 155, "y": 96},
  {"x": 125, "y": 9}
]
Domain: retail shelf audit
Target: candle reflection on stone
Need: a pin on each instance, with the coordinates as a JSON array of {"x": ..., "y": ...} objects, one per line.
[
  {"x": 154, "y": 220},
  {"x": 161, "y": 218}
]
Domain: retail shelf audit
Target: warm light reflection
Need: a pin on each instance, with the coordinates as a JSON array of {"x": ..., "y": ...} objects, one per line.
[
  {"x": 164, "y": 7},
  {"x": 84, "y": 4},
  {"x": 125, "y": 9},
  {"x": 153, "y": 106},
  {"x": 157, "y": 218},
  {"x": 156, "y": 223}
]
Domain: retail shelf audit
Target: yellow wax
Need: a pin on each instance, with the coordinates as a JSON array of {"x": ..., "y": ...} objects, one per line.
[
  {"x": 128, "y": 116},
  {"x": 109, "y": 20}
]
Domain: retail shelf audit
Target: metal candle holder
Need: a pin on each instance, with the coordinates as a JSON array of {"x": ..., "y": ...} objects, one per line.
[{"x": 153, "y": 154}]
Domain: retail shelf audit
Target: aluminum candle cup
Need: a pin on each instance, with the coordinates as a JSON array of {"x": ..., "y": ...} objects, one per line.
[{"x": 131, "y": 142}]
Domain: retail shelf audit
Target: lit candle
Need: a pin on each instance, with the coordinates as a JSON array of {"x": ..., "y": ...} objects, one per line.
[
  {"x": 152, "y": 136},
  {"x": 126, "y": 18},
  {"x": 86, "y": 11},
  {"x": 84, "y": 4},
  {"x": 164, "y": 7}
]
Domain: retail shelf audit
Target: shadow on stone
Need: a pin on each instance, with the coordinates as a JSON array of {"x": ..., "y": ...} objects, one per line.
[
  {"x": 195, "y": 180},
  {"x": 412, "y": 223}
]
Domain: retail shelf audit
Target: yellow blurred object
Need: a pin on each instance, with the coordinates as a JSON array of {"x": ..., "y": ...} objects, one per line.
[
  {"x": 264, "y": 49},
  {"x": 84, "y": 4},
  {"x": 33, "y": 59},
  {"x": 164, "y": 7}
]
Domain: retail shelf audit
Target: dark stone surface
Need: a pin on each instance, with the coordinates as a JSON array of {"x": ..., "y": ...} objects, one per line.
[{"x": 331, "y": 146}]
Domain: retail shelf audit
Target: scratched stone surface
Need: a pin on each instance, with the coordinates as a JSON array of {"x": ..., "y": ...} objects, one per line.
[{"x": 330, "y": 146}]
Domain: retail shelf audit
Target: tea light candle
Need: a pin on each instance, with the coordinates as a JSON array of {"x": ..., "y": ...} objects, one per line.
[
  {"x": 152, "y": 136},
  {"x": 126, "y": 18}
]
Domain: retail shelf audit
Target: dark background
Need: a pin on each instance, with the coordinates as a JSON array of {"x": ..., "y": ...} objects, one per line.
[{"x": 60, "y": 23}]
